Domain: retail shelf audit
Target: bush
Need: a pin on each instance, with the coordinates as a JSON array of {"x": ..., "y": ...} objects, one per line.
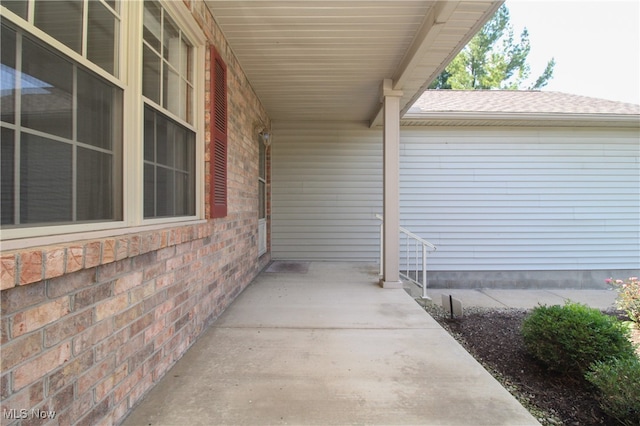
[
  {"x": 570, "y": 338},
  {"x": 628, "y": 296},
  {"x": 618, "y": 381}
]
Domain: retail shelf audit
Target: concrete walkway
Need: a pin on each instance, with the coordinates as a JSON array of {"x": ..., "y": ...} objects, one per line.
[
  {"x": 526, "y": 299},
  {"x": 325, "y": 346}
]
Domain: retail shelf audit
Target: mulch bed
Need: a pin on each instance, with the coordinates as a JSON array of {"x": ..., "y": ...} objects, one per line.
[{"x": 493, "y": 337}]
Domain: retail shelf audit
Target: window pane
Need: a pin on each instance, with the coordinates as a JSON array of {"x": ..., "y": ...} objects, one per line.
[
  {"x": 99, "y": 119},
  {"x": 96, "y": 186},
  {"x": 19, "y": 7},
  {"x": 185, "y": 62},
  {"x": 8, "y": 74},
  {"x": 151, "y": 75},
  {"x": 181, "y": 148},
  {"x": 149, "y": 134},
  {"x": 152, "y": 22},
  {"x": 101, "y": 37},
  {"x": 169, "y": 178},
  {"x": 62, "y": 20},
  {"x": 164, "y": 141},
  {"x": 149, "y": 190},
  {"x": 172, "y": 100},
  {"x": 47, "y": 82},
  {"x": 171, "y": 44},
  {"x": 45, "y": 180},
  {"x": 7, "y": 162},
  {"x": 188, "y": 114},
  {"x": 164, "y": 192}
]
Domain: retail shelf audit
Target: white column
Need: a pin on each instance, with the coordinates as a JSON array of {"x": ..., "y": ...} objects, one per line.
[{"x": 391, "y": 170}]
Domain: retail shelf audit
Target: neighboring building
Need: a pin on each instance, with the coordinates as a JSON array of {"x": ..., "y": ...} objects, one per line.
[
  {"x": 516, "y": 189},
  {"x": 136, "y": 171}
]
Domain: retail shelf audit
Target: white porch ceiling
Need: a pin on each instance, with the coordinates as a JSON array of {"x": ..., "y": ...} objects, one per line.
[{"x": 325, "y": 60}]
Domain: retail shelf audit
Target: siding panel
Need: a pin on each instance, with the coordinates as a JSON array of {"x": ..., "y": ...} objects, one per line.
[
  {"x": 327, "y": 188},
  {"x": 490, "y": 199},
  {"x": 518, "y": 199}
]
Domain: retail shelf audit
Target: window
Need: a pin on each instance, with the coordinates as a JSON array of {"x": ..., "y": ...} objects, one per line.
[
  {"x": 218, "y": 162},
  {"x": 169, "y": 143},
  {"x": 61, "y": 132},
  {"x": 95, "y": 136}
]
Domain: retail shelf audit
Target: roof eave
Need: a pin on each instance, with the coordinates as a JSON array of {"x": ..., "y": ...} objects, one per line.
[{"x": 532, "y": 119}]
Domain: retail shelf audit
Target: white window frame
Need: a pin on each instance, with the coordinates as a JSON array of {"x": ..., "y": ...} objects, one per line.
[{"x": 130, "y": 81}]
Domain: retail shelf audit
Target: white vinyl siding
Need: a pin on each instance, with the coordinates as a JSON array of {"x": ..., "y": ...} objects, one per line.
[
  {"x": 515, "y": 199},
  {"x": 491, "y": 199},
  {"x": 326, "y": 190}
]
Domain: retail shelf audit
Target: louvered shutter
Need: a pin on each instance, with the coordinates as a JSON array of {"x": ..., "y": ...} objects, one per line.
[{"x": 218, "y": 147}]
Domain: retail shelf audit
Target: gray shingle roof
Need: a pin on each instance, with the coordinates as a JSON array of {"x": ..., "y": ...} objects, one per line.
[{"x": 510, "y": 101}]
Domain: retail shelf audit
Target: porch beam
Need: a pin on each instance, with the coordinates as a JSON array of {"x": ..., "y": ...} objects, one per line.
[{"x": 391, "y": 191}]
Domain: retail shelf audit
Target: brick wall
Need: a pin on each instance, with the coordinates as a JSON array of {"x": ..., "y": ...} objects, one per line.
[{"x": 89, "y": 327}]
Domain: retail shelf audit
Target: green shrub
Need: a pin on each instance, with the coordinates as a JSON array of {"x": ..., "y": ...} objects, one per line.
[
  {"x": 570, "y": 338},
  {"x": 618, "y": 381}
]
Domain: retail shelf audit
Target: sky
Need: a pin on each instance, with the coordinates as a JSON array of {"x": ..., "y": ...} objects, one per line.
[{"x": 596, "y": 45}]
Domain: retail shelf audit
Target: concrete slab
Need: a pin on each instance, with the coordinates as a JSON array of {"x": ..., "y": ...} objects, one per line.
[
  {"x": 524, "y": 299},
  {"x": 334, "y": 348},
  {"x": 599, "y": 299},
  {"x": 470, "y": 297}
]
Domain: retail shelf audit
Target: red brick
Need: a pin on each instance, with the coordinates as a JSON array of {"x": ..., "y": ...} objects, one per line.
[
  {"x": 30, "y": 396},
  {"x": 90, "y": 378},
  {"x": 7, "y": 271},
  {"x": 108, "y": 250},
  {"x": 91, "y": 296},
  {"x": 140, "y": 389},
  {"x": 111, "y": 344},
  {"x": 70, "y": 283},
  {"x": 19, "y": 350},
  {"x": 109, "y": 271},
  {"x": 106, "y": 386},
  {"x": 122, "y": 248},
  {"x": 32, "y": 319},
  {"x": 121, "y": 390},
  {"x": 44, "y": 364},
  {"x": 98, "y": 412},
  {"x": 30, "y": 267},
  {"x": 71, "y": 370},
  {"x": 92, "y": 252},
  {"x": 111, "y": 306},
  {"x": 142, "y": 292},
  {"x": 67, "y": 328},
  {"x": 127, "y": 317},
  {"x": 128, "y": 282},
  {"x": 81, "y": 405},
  {"x": 62, "y": 400},
  {"x": 92, "y": 336},
  {"x": 19, "y": 298},
  {"x": 75, "y": 258},
  {"x": 140, "y": 324},
  {"x": 134, "y": 246},
  {"x": 153, "y": 330},
  {"x": 54, "y": 262},
  {"x": 129, "y": 348}
]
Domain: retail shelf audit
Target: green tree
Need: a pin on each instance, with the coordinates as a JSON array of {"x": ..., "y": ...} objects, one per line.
[{"x": 493, "y": 59}]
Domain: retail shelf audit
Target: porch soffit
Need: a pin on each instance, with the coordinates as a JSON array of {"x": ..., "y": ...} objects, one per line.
[{"x": 325, "y": 60}]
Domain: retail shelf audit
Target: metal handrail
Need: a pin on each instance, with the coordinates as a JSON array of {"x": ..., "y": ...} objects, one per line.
[{"x": 417, "y": 259}]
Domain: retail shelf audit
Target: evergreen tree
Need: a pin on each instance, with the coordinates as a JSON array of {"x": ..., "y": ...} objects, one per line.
[{"x": 493, "y": 59}]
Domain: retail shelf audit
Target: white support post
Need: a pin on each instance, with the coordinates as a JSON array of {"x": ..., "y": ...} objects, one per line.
[{"x": 391, "y": 170}]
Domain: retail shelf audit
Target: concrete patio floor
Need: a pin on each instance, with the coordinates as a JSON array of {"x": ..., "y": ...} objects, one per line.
[{"x": 323, "y": 346}]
